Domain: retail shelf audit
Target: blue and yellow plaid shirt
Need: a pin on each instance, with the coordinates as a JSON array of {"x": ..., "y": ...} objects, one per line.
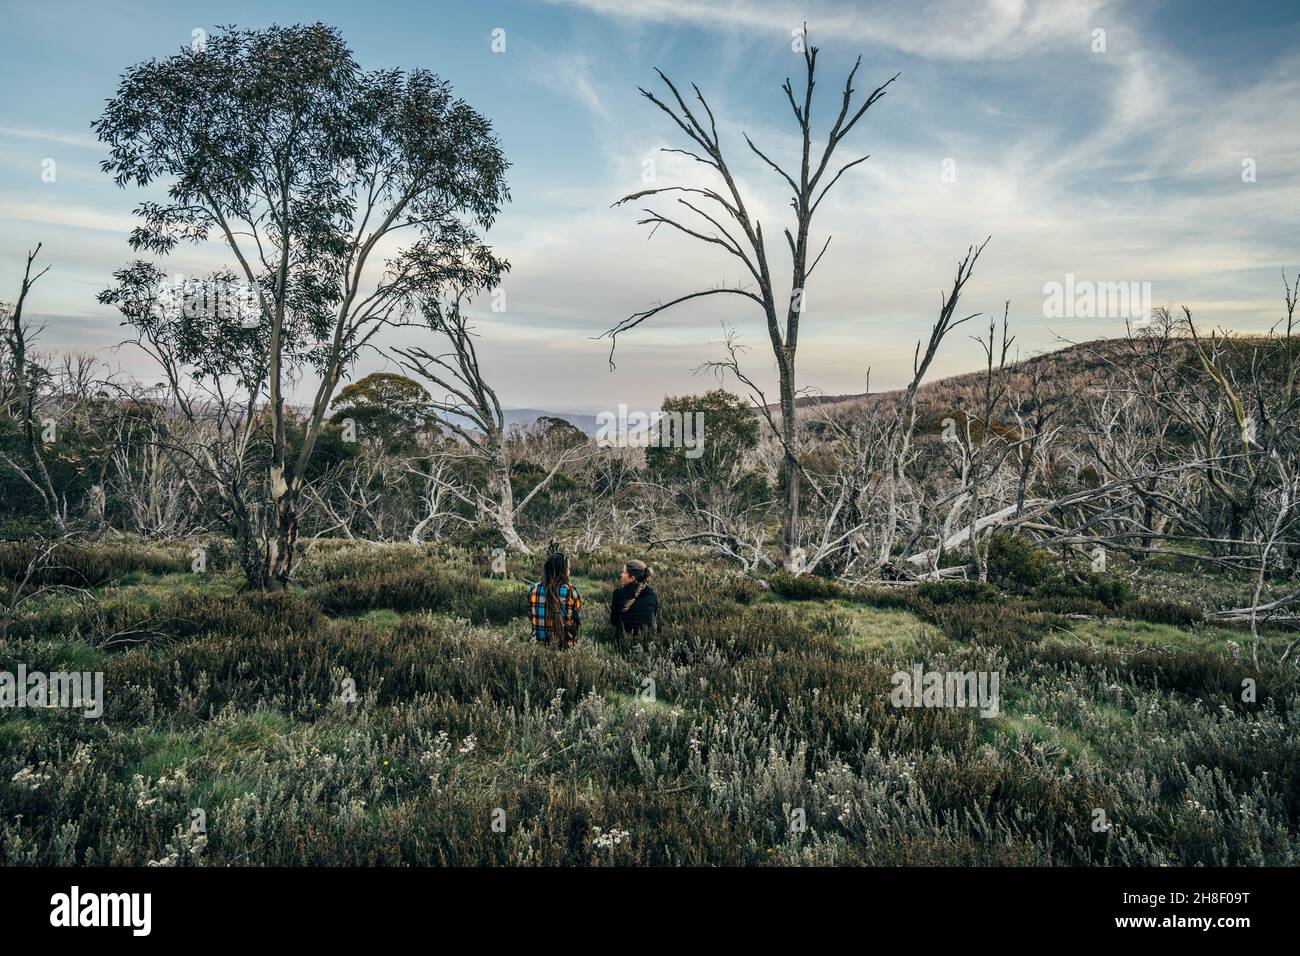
[{"x": 570, "y": 605}]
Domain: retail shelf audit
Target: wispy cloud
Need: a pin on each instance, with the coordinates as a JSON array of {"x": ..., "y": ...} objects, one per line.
[
  {"x": 941, "y": 29},
  {"x": 85, "y": 141},
  {"x": 1143, "y": 185},
  {"x": 63, "y": 214},
  {"x": 1113, "y": 166},
  {"x": 570, "y": 74}
]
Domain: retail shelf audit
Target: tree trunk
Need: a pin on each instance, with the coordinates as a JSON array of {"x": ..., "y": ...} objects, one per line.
[
  {"x": 1148, "y": 516},
  {"x": 503, "y": 508},
  {"x": 282, "y": 542},
  {"x": 249, "y": 553},
  {"x": 791, "y": 559}
]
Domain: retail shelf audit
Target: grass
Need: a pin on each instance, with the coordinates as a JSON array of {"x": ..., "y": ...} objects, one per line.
[
  {"x": 859, "y": 627},
  {"x": 1143, "y": 633},
  {"x": 381, "y": 619},
  {"x": 765, "y": 700}
]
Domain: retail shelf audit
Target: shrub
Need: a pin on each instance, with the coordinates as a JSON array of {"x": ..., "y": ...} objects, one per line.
[
  {"x": 479, "y": 538},
  {"x": 804, "y": 587},
  {"x": 421, "y": 589},
  {"x": 1071, "y": 604},
  {"x": 1160, "y": 611},
  {"x": 1014, "y": 561},
  {"x": 959, "y": 592},
  {"x": 993, "y": 624},
  {"x": 221, "y": 554},
  {"x": 1109, "y": 590},
  {"x": 759, "y": 706},
  {"x": 84, "y": 565},
  {"x": 745, "y": 591}
]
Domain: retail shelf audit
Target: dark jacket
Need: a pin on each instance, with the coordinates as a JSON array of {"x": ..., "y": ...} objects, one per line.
[{"x": 642, "y": 613}]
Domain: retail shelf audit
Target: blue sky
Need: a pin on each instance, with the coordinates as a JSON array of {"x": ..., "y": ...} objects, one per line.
[{"x": 1122, "y": 164}]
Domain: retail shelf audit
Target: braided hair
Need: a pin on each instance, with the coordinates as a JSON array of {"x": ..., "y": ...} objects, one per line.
[{"x": 642, "y": 576}]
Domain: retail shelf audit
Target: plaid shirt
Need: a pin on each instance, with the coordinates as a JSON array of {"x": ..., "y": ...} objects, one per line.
[{"x": 570, "y": 603}]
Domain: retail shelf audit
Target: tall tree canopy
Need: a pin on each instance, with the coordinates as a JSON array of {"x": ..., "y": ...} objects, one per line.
[
  {"x": 277, "y": 144},
  {"x": 387, "y": 406}
]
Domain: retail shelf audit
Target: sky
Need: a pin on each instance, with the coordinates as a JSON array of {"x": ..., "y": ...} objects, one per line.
[{"x": 1128, "y": 142}]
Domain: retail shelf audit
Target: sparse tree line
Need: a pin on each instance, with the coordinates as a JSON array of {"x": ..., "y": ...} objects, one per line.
[{"x": 1168, "y": 440}]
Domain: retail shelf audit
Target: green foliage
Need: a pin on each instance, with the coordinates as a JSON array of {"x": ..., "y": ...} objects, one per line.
[
  {"x": 81, "y": 565},
  {"x": 220, "y": 554},
  {"x": 387, "y": 406},
  {"x": 21, "y": 527},
  {"x": 1016, "y": 562},
  {"x": 74, "y": 463},
  {"x": 418, "y": 589},
  {"x": 234, "y": 704},
  {"x": 959, "y": 592},
  {"x": 803, "y": 587},
  {"x": 277, "y": 133},
  {"x": 548, "y": 503},
  {"x": 481, "y": 538},
  {"x": 1109, "y": 590},
  {"x": 559, "y": 431},
  {"x": 730, "y": 429},
  {"x": 1161, "y": 611},
  {"x": 331, "y": 448}
]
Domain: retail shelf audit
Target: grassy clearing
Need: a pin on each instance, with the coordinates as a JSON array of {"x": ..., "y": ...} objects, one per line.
[
  {"x": 237, "y": 705},
  {"x": 862, "y": 628},
  {"x": 1115, "y": 632}
]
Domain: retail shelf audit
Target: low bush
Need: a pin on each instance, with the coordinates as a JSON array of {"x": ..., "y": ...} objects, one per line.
[
  {"x": 1160, "y": 611},
  {"x": 959, "y": 592},
  {"x": 803, "y": 587},
  {"x": 1015, "y": 562},
  {"x": 78, "y": 565},
  {"x": 1109, "y": 590}
]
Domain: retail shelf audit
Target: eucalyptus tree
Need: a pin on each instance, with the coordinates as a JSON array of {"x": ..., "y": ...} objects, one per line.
[
  {"x": 213, "y": 364},
  {"x": 341, "y": 196}
]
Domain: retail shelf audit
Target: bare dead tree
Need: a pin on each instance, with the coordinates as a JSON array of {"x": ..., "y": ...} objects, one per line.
[
  {"x": 17, "y": 338},
  {"x": 871, "y": 496},
  {"x": 469, "y": 408},
  {"x": 1288, "y": 489},
  {"x": 719, "y": 208},
  {"x": 985, "y": 456},
  {"x": 440, "y": 492},
  {"x": 145, "y": 476},
  {"x": 901, "y": 430}
]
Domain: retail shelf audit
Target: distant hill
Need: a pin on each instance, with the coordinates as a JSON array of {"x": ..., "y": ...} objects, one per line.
[
  {"x": 1063, "y": 374},
  {"x": 526, "y": 417},
  {"x": 1060, "y": 364}
]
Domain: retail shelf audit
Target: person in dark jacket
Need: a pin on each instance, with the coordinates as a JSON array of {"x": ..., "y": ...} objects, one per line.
[{"x": 635, "y": 606}]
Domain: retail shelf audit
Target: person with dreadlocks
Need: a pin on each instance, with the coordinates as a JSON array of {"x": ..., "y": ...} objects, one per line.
[
  {"x": 554, "y": 604},
  {"x": 635, "y": 606}
]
